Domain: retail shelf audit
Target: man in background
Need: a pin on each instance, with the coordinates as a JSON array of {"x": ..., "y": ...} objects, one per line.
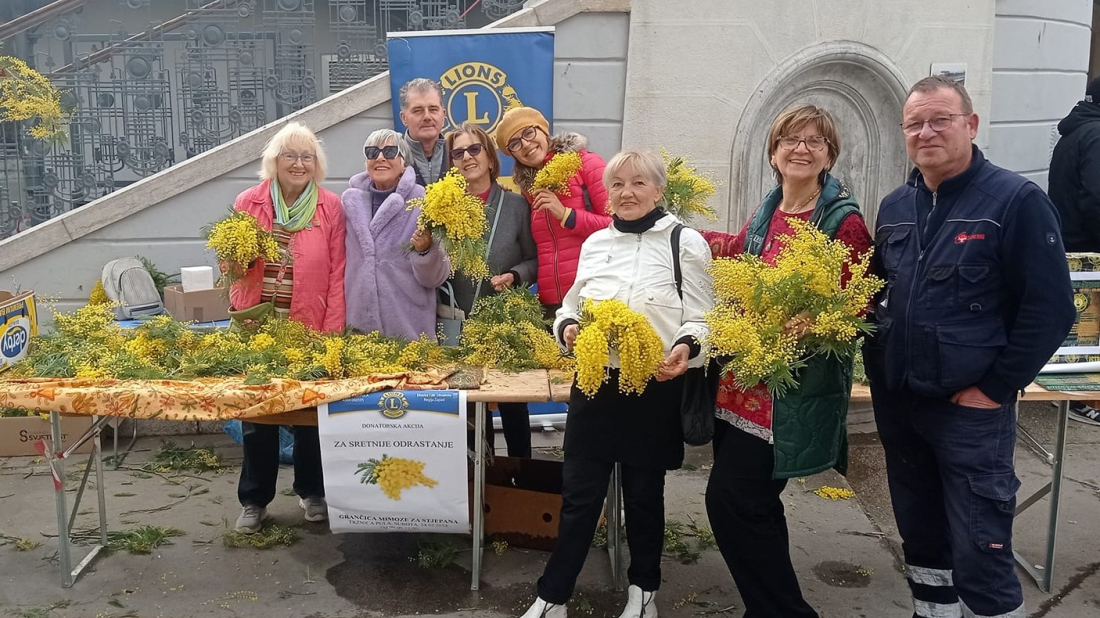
[{"x": 422, "y": 113}]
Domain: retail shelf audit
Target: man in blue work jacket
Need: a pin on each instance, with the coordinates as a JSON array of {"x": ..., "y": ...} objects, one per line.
[{"x": 977, "y": 298}]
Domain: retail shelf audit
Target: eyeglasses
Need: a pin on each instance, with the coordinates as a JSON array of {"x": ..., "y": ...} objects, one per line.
[
  {"x": 526, "y": 135},
  {"x": 938, "y": 124},
  {"x": 292, "y": 157},
  {"x": 813, "y": 142},
  {"x": 473, "y": 149},
  {"x": 372, "y": 152}
]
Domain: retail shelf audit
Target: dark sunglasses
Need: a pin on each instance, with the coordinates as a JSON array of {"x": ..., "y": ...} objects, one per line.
[
  {"x": 389, "y": 152},
  {"x": 473, "y": 149},
  {"x": 526, "y": 135}
]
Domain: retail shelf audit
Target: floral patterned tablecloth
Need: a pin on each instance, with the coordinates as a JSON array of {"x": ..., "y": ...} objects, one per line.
[{"x": 212, "y": 399}]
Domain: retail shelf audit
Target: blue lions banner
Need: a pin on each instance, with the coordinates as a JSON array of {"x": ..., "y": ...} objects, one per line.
[{"x": 484, "y": 73}]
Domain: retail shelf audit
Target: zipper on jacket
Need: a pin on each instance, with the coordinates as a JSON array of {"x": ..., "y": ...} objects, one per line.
[
  {"x": 916, "y": 275},
  {"x": 634, "y": 275},
  {"x": 554, "y": 241}
]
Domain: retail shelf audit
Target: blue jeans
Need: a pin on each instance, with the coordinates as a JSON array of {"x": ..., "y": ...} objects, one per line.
[{"x": 953, "y": 487}]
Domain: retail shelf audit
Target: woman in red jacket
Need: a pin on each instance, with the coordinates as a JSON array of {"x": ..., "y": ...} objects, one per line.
[
  {"x": 305, "y": 284},
  {"x": 559, "y": 223}
]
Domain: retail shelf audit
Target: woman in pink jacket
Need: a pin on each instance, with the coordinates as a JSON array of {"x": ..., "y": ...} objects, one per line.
[
  {"x": 307, "y": 285},
  {"x": 559, "y": 223}
]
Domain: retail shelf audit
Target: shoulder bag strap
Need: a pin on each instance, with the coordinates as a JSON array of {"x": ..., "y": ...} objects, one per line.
[
  {"x": 489, "y": 246},
  {"x": 676, "y": 231}
]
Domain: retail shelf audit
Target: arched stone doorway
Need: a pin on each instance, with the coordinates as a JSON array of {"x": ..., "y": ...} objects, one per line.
[{"x": 863, "y": 91}]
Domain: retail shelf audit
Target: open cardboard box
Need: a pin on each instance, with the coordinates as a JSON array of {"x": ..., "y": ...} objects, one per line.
[
  {"x": 523, "y": 501},
  {"x": 198, "y": 306}
]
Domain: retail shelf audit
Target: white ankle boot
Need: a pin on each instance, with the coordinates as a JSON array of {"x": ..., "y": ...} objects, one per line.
[
  {"x": 639, "y": 603},
  {"x": 545, "y": 609}
]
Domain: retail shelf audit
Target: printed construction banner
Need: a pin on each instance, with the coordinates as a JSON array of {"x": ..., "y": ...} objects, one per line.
[
  {"x": 395, "y": 461},
  {"x": 484, "y": 73}
]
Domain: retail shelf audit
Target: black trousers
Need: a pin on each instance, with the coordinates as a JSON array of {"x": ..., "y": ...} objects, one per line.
[
  {"x": 584, "y": 487},
  {"x": 747, "y": 518},
  {"x": 260, "y": 469},
  {"x": 515, "y": 420}
]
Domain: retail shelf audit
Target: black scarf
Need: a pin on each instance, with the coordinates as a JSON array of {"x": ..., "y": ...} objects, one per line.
[{"x": 639, "y": 225}]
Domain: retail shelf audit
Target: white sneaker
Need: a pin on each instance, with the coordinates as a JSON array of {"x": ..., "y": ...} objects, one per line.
[
  {"x": 251, "y": 519},
  {"x": 315, "y": 507},
  {"x": 639, "y": 603},
  {"x": 545, "y": 609}
]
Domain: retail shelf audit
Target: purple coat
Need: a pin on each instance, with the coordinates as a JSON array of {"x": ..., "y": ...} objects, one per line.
[{"x": 387, "y": 288}]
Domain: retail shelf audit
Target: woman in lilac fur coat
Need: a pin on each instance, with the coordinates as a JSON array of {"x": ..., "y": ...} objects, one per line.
[{"x": 387, "y": 287}]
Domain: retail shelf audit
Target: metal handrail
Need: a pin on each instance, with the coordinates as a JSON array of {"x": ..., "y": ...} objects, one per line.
[
  {"x": 38, "y": 17},
  {"x": 106, "y": 53}
]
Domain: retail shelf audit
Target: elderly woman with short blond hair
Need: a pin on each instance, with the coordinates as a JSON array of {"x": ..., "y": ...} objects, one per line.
[
  {"x": 631, "y": 261},
  {"x": 390, "y": 289},
  {"x": 305, "y": 284}
]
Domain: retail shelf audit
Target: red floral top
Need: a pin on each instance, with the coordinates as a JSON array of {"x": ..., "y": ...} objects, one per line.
[{"x": 751, "y": 410}]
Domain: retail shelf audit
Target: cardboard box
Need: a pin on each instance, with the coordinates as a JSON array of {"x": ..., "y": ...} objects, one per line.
[
  {"x": 18, "y": 434},
  {"x": 523, "y": 501},
  {"x": 201, "y": 306},
  {"x": 197, "y": 278},
  {"x": 18, "y": 324}
]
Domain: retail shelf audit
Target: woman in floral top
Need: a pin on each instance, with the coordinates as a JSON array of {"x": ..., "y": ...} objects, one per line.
[{"x": 759, "y": 442}]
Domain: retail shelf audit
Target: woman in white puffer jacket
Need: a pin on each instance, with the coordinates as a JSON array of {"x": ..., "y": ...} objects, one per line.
[{"x": 631, "y": 261}]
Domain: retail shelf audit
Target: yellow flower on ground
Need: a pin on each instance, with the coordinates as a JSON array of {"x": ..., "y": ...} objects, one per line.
[{"x": 834, "y": 493}]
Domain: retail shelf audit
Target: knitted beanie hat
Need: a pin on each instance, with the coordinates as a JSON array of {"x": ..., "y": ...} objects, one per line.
[{"x": 517, "y": 119}]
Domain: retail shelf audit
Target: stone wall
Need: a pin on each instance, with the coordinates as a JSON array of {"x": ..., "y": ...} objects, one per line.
[
  {"x": 706, "y": 77},
  {"x": 1040, "y": 67}
]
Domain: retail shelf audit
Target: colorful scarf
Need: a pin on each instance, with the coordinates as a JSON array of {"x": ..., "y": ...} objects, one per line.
[{"x": 301, "y": 213}]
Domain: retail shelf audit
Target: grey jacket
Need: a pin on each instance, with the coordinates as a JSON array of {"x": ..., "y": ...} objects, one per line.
[
  {"x": 428, "y": 170},
  {"x": 513, "y": 248}
]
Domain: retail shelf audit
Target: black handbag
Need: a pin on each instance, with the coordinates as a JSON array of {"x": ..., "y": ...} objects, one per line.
[{"x": 700, "y": 383}]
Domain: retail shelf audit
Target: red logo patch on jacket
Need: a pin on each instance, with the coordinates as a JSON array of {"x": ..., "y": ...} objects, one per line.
[{"x": 964, "y": 237}]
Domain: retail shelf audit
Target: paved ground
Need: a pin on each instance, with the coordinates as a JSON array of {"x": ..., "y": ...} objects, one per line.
[{"x": 845, "y": 551}]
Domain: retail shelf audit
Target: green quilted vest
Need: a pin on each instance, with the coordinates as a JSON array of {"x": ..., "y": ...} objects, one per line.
[{"x": 810, "y": 422}]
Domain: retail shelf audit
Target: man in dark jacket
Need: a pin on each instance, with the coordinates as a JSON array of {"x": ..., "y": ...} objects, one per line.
[
  {"x": 977, "y": 298},
  {"x": 1074, "y": 187}
]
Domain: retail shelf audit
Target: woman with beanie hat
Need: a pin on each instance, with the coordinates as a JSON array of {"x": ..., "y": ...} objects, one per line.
[{"x": 560, "y": 223}]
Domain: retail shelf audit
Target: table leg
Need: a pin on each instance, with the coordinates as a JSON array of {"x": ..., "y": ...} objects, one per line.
[
  {"x": 56, "y": 456},
  {"x": 1044, "y": 576},
  {"x": 58, "y": 467},
  {"x": 478, "y": 532},
  {"x": 615, "y": 527},
  {"x": 97, "y": 454}
]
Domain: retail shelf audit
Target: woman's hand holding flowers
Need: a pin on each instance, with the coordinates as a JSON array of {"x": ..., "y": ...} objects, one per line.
[
  {"x": 569, "y": 335},
  {"x": 547, "y": 200},
  {"x": 675, "y": 364},
  {"x": 421, "y": 240}
]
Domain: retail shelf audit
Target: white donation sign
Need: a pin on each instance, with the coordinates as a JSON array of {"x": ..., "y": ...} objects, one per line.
[{"x": 395, "y": 461}]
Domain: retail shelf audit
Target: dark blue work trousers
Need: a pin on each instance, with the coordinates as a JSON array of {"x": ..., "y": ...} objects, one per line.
[{"x": 953, "y": 487}]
